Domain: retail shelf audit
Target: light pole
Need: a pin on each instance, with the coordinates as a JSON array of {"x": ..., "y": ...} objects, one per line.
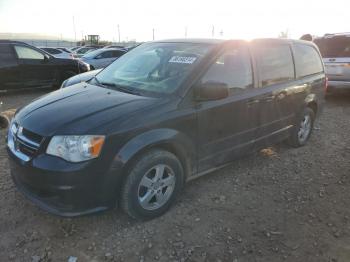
[
  {"x": 75, "y": 32},
  {"x": 118, "y": 34}
]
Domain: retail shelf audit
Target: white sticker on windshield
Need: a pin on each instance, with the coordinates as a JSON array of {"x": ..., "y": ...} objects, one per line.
[{"x": 183, "y": 59}]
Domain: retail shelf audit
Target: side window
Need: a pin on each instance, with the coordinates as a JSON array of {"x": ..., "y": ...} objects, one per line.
[
  {"x": 233, "y": 68},
  {"x": 24, "y": 52},
  {"x": 307, "y": 60},
  {"x": 118, "y": 53},
  {"x": 275, "y": 64},
  {"x": 106, "y": 54},
  {"x": 7, "y": 56},
  {"x": 53, "y": 51}
]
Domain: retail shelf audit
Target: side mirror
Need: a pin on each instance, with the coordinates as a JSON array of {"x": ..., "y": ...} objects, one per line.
[
  {"x": 211, "y": 91},
  {"x": 46, "y": 58}
]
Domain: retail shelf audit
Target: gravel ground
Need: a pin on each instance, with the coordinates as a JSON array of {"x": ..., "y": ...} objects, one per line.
[{"x": 281, "y": 204}]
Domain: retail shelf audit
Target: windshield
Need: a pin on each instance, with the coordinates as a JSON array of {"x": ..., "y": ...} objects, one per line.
[
  {"x": 157, "y": 68},
  {"x": 337, "y": 46}
]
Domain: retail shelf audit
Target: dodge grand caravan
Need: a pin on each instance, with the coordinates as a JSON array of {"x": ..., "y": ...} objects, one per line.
[{"x": 161, "y": 115}]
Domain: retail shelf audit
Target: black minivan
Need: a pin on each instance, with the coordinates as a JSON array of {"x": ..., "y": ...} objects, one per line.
[
  {"x": 161, "y": 115},
  {"x": 25, "y": 66}
]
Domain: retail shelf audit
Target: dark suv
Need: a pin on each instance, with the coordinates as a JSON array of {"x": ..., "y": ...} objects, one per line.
[
  {"x": 23, "y": 66},
  {"x": 162, "y": 114}
]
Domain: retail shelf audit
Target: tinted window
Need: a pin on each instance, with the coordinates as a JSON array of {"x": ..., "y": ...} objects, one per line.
[
  {"x": 232, "y": 68},
  {"x": 275, "y": 64},
  {"x": 118, "y": 53},
  {"x": 24, "y": 52},
  {"x": 337, "y": 46},
  {"x": 106, "y": 54},
  {"x": 307, "y": 60},
  {"x": 52, "y": 51},
  {"x": 6, "y": 54}
]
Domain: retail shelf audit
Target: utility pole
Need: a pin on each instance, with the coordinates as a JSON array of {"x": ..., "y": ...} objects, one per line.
[
  {"x": 212, "y": 31},
  {"x": 75, "y": 32},
  {"x": 118, "y": 34},
  {"x": 153, "y": 33},
  {"x": 186, "y": 32}
]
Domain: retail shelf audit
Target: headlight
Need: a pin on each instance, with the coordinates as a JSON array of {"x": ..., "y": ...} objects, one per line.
[
  {"x": 64, "y": 83},
  {"x": 75, "y": 148},
  {"x": 84, "y": 65}
]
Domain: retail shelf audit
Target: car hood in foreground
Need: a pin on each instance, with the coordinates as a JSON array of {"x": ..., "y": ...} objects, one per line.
[
  {"x": 81, "y": 109},
  {"x": 80, "y": 78}
]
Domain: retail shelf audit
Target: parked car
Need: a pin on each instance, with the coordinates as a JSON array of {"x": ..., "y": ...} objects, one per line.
[
  {"x": 101, "y": 58},
  {"x": 82, "y": 51},
  {"x": 163, "y": 114},
  {"x": 83, "y": 77},
  {"x": 57, "y": 53},
  {"x": 335, "y": 50},
  {"x": 23, "y": 65}
]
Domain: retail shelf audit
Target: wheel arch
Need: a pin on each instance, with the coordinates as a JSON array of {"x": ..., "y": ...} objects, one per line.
[
  {"x": 170, "y": 140},
  {"x": 311, "y": 102}
]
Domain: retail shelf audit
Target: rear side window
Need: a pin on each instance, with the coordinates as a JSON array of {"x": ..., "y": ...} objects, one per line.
[
  {"x": 24, "y": 52},
  {"x": 118, "y": 53},
  {"x": 52, "y": 51},
  {"x": 106, "y": 54},
  {"x": 307, "y": 60},
  {"x": 7, "y": 55},
  {"x": 275, "y": 64},
  {"x": 233, "y": 68}
]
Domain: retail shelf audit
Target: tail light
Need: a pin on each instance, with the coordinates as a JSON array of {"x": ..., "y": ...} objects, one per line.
[{"x": 325, "y": 84}]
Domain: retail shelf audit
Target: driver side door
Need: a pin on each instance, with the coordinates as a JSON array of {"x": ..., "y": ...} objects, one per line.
[
  {"x": 227, "y": 127},
  {"x": 35, "y": 67}
]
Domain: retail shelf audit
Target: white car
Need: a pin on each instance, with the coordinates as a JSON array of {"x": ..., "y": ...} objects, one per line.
[
  {"x": 57, "y": 52},
  {"x": 101, "y": 58}
]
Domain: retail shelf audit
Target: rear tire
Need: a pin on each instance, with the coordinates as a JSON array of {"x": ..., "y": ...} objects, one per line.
[
  {"x": 302, "y": 130},
  {"x": 154, "y": 181}
]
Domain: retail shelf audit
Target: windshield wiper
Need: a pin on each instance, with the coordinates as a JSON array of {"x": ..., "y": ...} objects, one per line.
[
  {"x": 96, "y": 80},
  {"x": 120, "y": 88}
]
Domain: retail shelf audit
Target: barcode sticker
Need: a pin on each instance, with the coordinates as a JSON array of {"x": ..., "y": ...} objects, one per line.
[{"x": 182, "y": 59}]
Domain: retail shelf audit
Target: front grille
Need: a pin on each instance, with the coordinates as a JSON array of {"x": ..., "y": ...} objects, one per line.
[
  {"x": 26, "y": 148},
  {"x": 25, "y": 141},
  {"x": 32, "y": 136}
]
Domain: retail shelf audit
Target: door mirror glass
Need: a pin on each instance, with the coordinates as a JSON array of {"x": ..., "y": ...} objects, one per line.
[{"x": 211, "y": 91}]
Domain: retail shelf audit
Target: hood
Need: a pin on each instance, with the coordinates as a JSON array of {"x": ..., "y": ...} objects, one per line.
[
  {"x": 80, "y": 109},
  {"x": 80, "y": 78}
]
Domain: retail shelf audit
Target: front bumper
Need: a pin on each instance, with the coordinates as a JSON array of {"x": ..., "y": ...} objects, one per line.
[
  {"x": 62, "y": 188},
  {"x": 335, "y": 86}
]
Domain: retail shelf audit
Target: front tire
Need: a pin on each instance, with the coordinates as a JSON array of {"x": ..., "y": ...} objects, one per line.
[
  {"x": 154, "y": 181},
  {"x": 301, "y": 132}
]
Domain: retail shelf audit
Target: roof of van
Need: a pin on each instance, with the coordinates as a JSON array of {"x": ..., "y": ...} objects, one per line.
[{"x": 218, "y": 41}]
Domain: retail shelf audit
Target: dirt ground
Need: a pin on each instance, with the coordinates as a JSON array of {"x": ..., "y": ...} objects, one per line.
[{"x": 282, "y": 204}]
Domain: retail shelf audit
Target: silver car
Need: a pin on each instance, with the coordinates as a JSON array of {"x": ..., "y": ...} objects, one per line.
[
  {"x": 335, "y": 50},
  {"x": 101, "y": 58}
]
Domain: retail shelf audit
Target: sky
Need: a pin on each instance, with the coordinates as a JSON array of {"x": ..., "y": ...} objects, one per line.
[{"x": 242, "y": 19}]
